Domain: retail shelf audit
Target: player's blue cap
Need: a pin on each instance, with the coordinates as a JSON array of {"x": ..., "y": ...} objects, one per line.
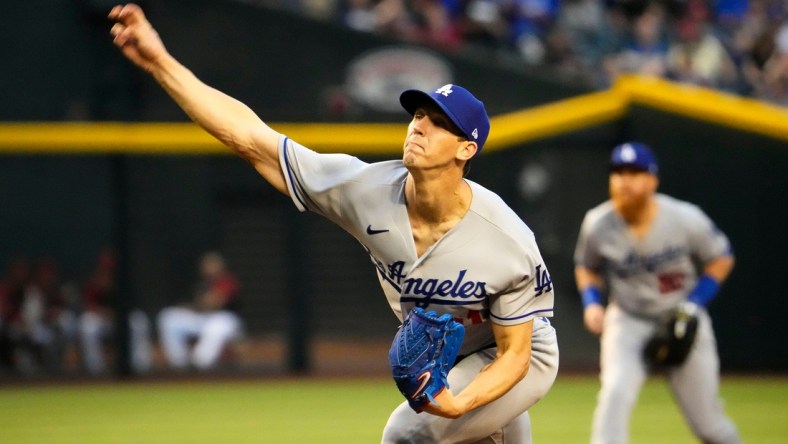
[
  {"x": 634, "y": 155},
  {"x": 465, "y": 110}
]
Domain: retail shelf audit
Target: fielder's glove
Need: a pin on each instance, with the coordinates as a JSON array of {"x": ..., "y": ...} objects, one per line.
[
  {"x": 422, "y": 354},
  {"x": 674, "y": 337}
]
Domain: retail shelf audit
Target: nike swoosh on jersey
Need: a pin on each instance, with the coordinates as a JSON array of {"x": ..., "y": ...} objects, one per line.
[{"x": 370, "y": 231}]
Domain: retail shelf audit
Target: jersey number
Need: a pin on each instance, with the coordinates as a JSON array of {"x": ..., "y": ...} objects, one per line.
[
  {"x": 473, "y": 317},
  {"x": 669, "y": 282}
]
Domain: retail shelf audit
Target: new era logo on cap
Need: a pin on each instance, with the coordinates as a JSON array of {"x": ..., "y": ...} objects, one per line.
[
  {"x": 465, "y": 110},
  {"x": 633, "y": 155}
]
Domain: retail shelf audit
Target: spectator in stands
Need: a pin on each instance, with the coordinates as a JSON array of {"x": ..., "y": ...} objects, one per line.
[
  {"x": 696, "y": 55},
  {"x": 392, "y": 18},
  {"x": 530, "y": 22},
  {"x": 730, "y": 14},
  {"x": 585, "y": 32},
  {"x": 435, "y": 24},
  {"x": 97, "y": 321},
  {"x": 770, "y": 78},
  {"x": 645, "y": 51},
  {"x": 428, "y": 22},
  {"x": 209, "y": 321},
  {"x": 483, "y": 23},
  {"x": 48, "y": 322},
  {"x": 33, "y": 317}
]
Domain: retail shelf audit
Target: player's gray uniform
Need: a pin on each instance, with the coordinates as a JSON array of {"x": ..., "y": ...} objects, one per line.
[
  {"x": 645, "y": 279},
  {"x": 486, "y": 268}
]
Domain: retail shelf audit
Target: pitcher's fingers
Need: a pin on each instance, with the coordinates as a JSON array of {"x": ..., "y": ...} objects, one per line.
[
  {"x": 123, "y": 37},
  {"x": 116, "y": 29},
  {"x": 131, "y": 13},
  {"x": 113, "y": 13}
]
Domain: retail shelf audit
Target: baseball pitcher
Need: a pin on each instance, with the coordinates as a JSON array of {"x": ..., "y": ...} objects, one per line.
[{"x": 456, "y": 264}]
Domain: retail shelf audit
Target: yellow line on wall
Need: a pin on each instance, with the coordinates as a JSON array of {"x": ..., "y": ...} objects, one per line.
[
  {"x": 508, "y": 130},
  {"x": 185, "y": 138},
  {"x": 376, "y": 139},
  {"x": 556, "y": 118},
  {"x": 707, "y": 105}
]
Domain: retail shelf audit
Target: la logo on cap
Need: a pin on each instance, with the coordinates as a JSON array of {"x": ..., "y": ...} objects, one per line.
[
  {"x": 628, "y": 153},
  {"x": 445, "y": 90}
]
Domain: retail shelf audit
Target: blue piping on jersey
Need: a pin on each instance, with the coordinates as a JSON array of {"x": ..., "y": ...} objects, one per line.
[
  {"x": 439, "y": 301},
  {"x": 297, "y": 187},
  {"x": 523, "y": 316}
]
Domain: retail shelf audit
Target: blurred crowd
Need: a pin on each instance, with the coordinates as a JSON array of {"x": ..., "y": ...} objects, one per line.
[
  {"x": 50, "y": 325},
  {"x": 738, "y": 46},
  {"x": 37, "y": 316}
]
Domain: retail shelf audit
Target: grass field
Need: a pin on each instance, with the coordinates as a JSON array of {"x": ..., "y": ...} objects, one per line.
[{"x": 334, "y": 411}]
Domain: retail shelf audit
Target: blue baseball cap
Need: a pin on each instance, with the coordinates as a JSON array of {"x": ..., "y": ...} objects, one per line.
[
  {"x": 634, "y": 155},
  {"x": 465, "y": 110}
]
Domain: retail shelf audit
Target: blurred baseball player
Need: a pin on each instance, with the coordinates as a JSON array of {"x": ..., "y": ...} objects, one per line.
[
  {"x": 438, "y": 241},
  {"x": 642, "y": 247}
]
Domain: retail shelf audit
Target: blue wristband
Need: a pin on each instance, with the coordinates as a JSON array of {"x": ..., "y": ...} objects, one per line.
[
  {"x": 591, "y": 295},
  {"x": 704, "y": 291}
]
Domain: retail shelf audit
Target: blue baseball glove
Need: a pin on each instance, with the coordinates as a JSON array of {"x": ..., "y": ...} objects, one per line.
[{"x": 423, "y": 352}]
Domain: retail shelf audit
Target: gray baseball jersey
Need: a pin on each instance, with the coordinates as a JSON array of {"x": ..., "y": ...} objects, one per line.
[
  {"x": 486, "y": 268},
  {"x": 645, "y": 278},
  {"x": 652, "y": 275}
]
